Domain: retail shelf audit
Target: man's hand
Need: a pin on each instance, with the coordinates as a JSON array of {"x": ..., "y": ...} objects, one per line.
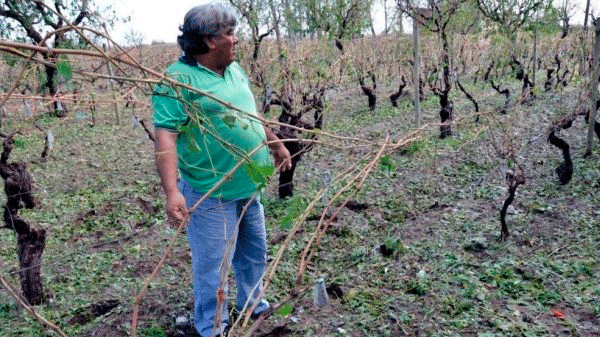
[
  {"x": 176, "y": 209},
  {"x": 166, "y": 165},
  {"x": 281, "y": 155}
]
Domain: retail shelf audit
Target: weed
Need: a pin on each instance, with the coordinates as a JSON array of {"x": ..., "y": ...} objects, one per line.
[
  {"x": 393, "y": 247},
  {"x": 367, "y": 301},
  {"x": 387, "y": 164},
  {"x": 547, "y": 298},
  {"x": 7, "y": 311},
  {"x": 287, "y": 210},
  {"x": 455, "y": 306},
  {"x": 396, "y": 211},
  {"x": 153, "y": 331},
  {"x": 417, "y": 287}
]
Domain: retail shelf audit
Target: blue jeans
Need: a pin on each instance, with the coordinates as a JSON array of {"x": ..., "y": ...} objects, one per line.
[{"x": 211, "y": 231}]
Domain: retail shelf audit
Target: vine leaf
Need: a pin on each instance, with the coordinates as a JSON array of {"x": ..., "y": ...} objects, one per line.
[
  {"x": 259, "y": 173},
  {"x": 192, "y": 144},
  {"x": 229, "y": 120},
  {"x": 64, "y": 69},
  {"x": 285, "y": 310}
]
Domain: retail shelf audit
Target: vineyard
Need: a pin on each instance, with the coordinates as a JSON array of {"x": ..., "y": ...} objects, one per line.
[{"x": 463, "y": 201}]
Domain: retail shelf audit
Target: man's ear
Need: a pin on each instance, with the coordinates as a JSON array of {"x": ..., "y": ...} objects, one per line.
[{"x": 210, "y": 42}]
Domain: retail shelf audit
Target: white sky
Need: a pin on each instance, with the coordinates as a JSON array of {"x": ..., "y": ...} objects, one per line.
[
  {"x": 160, "y": 20},
  {"x": 155, "y": 20}
]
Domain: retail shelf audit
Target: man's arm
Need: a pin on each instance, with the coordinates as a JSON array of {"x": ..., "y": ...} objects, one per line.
[
  {"x": 165, "y": 150},
  {"x": 283, "y": 160}
]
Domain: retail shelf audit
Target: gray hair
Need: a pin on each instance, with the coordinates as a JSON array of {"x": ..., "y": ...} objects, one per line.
[{"x": 203, "y": 21}]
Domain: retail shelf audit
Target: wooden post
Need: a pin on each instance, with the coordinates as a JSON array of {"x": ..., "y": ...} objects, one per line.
[
  {"x": 111, "y": 84},
  {"x": 416, "y": 71},
  {"x": 594, "y": 88},
  {"x": 583, "y": 37},
  {"x": 140, "y": 47},
  {"x": 587, "y": 15},
  {"x": 535, "y": 44}
]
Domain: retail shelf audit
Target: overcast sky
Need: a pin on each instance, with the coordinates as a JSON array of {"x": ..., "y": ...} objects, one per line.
[
  {"x": 155, "y": 20},
  {"x": 160, "y": 20}
]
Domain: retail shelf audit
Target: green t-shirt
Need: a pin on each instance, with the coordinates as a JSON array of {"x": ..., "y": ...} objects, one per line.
[{"x": 211, "y": 137}]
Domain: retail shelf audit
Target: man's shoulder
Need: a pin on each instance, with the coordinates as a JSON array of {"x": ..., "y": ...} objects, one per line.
[
  {"x": 178, "y": 67},
  {"x": 238, "y": 72},
  {"x": 187, "y": 73},
  {"x": 237, "y": 68}
]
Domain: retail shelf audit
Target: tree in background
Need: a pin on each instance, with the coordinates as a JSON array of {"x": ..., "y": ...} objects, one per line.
[
  {"x": 392, "y": 17},
  {"x": 51, "y": 26},
  {"x": 510, "y": 15},
  {"x": 134, "y": 37},
  {"x": 258, "y": 16},
  {"x": 565, "y": 13},
  {"x": 340, "y": 19},
  {"x": 295, "y": 18},
  {"x": 276, "y": 17}
]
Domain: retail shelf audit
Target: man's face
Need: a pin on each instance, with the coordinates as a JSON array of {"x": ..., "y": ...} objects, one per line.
[{"x": 225, "y": 45}]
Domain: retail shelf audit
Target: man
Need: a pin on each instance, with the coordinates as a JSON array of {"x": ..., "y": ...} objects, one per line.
[{"x": 203, "y": 140}]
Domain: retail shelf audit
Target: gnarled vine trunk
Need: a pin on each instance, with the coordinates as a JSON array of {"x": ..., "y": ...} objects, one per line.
[
  {"x": 296, "y": 147},
  {"x": 31, "y": 239}
]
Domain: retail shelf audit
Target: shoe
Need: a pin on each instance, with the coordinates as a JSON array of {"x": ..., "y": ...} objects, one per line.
[
  {"x": 224, "y": 333},
  {"x": 237, "y": 313},
  {"x": 187, "y": 332},
  {"x": 255, "y": 316},
  {"x": 184, "y": 327}
]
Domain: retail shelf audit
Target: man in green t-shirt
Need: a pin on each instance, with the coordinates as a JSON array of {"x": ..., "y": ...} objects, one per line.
[{"x": 203, "y": 140}]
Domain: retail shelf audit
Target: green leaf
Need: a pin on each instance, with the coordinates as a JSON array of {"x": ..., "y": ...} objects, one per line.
[
  {"x": 267, "y": 170},
  {"x": 294, "y": 209},
  {"x": 387, "y": 163},
  {"x": 229, "y": 119},
  {"x": 184, "y": 129},
  {"x": 193, "y": 146},
  {"x": 186, "y": 132},
  {"x": 259, "y": 173},
  {"x": 285, "y": 310},
  {"x": 18, "y": 143},
  {"x": 64, "y": 69}
]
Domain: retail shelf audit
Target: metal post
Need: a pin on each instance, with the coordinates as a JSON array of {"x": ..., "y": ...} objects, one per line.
[
  {"x": 535, "y": 49},
  {"x": 594, "y": 88},
  {"x": 416, "y": 79},
  {"x": 112, "y": 84}
]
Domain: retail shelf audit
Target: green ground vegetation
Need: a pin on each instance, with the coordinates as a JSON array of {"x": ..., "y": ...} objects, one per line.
[{"x": 422, "y": 259}]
